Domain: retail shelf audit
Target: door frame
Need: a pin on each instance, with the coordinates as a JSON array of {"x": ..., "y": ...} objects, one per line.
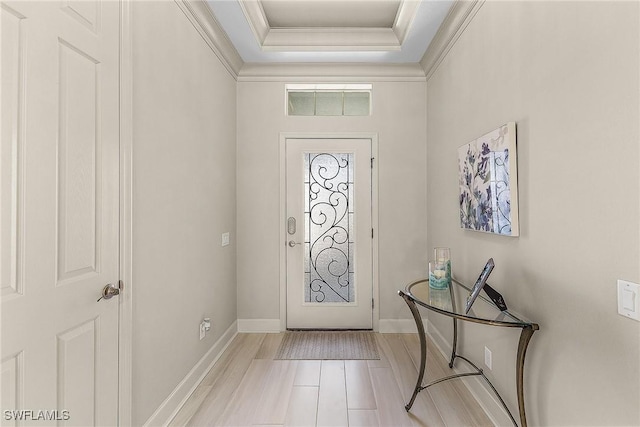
[
  {"x": 282, "y": 214},
  {"x": 125, "y": 307}
]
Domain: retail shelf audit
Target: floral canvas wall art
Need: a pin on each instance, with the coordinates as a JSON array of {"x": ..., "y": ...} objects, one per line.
[{"x": 488, "y": 179}]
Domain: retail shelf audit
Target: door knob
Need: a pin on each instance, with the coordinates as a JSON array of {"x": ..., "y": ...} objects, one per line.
[
  {"x": 293, "y": 244},
  {"x": 110, "y": 290}
]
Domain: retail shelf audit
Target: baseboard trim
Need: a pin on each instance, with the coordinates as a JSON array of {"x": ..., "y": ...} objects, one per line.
[
  {"x": 399, "y": 326},
  {"x": 259, "y": 325},
  {"x": 172, "y": 404},
  {"x": 476, "y": 386}
]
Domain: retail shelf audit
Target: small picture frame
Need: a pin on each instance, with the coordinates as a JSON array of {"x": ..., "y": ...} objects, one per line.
[{"x": 477, "y": 287}]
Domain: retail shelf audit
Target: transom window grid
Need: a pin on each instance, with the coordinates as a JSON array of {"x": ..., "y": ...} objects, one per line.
[{"x": 328, "y": 100}]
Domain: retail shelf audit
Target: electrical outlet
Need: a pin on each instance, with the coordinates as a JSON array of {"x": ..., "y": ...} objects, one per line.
[
  {"x": 225, "y": 239},
  {"x": 487, "y": 358},
  {"x": 203, "y": 330}
]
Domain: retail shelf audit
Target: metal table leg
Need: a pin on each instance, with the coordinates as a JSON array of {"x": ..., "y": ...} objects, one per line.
[
  {"x": 455, "y": 343},
  {"x": 525, "y": 336},
  {"x": 455, "y": 329},
  {"x": 423, "y": 346}
]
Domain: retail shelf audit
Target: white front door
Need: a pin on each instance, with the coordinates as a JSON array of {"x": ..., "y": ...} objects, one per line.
[
  {"x": 329, "y": 234},
  {"x": 59, "y": 212}
]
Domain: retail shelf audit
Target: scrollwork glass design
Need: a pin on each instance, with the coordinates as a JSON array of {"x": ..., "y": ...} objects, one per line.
[{"x": 328, "y": 228}]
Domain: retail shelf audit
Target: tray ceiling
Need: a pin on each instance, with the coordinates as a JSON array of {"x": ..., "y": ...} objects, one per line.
[{"x": 330, "y": 30}]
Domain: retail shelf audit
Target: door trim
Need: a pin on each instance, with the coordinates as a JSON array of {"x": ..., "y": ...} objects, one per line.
[
  {"x": 374, "y": 214},
  {"x": 125, "y": 312}
]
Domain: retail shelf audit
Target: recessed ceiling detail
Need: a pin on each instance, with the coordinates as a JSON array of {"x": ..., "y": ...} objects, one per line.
[
  {"x": 323, "y": 13},
  {"x": 356, "y": 25},
  {"x": 369, "y": 31}
]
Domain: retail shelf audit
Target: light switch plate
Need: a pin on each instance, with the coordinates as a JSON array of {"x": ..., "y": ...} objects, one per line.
[
  {"x": 629, "y": 299},
  {"x": 225, "y": 239}
]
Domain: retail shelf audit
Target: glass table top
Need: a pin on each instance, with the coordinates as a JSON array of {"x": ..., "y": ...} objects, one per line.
[{"x": 451, "y": 302}]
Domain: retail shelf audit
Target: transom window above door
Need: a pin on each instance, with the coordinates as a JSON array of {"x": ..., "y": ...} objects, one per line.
[{"x": 328, "y": 99}]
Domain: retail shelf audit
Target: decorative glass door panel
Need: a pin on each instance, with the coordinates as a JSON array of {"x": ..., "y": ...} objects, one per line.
[
  {"x": 328, "y": 186},
  {"x": 329, "y": 256}
]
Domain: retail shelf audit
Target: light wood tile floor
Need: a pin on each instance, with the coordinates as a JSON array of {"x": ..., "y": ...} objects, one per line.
[{"x": 247, "y": 387}]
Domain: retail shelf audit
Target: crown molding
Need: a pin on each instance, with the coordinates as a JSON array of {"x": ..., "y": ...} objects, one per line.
[
  {"x": 331, "y": 72},
  {"x": 459, "y": 16},
  {"x": 206, "y": 24},
  {"x": 331, "y": 39},
  {"x": 404, "y": 19},
  {"x": 256, "y": 18}
]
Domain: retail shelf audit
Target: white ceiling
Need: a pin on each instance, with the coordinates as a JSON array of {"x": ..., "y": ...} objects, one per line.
[{"x": 371, "y": 31}]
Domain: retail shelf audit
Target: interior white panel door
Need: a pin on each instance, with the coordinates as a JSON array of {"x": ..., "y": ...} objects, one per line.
[
  {"x": 329, "y": 234},
  {"x": 59, "y": 212}
]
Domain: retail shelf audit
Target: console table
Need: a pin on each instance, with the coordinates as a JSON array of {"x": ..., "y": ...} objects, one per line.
[{"x": 443, "y": 301}]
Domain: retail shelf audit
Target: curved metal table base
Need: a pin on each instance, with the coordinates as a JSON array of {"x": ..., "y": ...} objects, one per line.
[{"x": 525, "y": 337}]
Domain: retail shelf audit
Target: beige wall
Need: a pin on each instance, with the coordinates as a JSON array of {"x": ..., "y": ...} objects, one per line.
[
  {"x": 183, "y": 199},
  {"x": 568, "y": 74},
  {"x": 398, "y": 119}
]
